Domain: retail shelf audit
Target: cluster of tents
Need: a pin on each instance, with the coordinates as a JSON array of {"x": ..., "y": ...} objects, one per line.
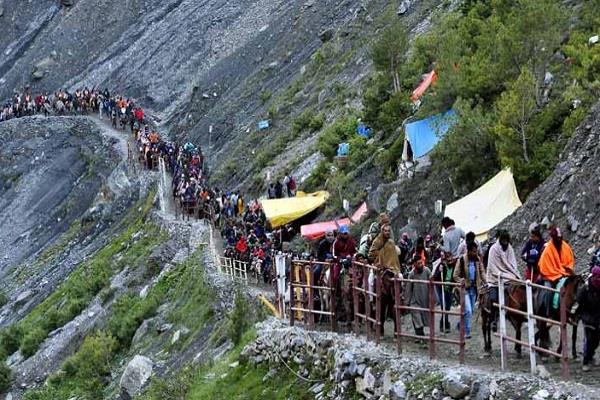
[{"x": 479, "y": 212}]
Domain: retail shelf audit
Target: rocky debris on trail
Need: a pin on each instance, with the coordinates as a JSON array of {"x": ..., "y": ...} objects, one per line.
[
  {"x": 570, "y": 197},
  {"x": 343, "y": 364},
  {"x": 136, "y": 374}
]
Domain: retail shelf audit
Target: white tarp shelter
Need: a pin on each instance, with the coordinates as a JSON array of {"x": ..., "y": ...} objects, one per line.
[{"x": 483, "y": 209}]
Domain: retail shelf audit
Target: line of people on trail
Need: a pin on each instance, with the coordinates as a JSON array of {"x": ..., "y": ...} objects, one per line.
[
  {"x": 121, "y": 110},
  {"x": 456, "y": 258}
]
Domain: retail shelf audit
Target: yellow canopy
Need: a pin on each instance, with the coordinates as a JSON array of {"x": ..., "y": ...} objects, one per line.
[
  {"x": 282, "y": 211},
  {"x": 486, "y": 207}
]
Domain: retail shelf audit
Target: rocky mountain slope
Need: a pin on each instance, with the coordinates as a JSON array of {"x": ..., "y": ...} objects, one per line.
[{"x": 570, "y": 197}]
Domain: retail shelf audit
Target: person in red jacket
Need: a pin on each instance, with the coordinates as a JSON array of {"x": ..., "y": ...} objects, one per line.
[{"x": 344, "y": 248}]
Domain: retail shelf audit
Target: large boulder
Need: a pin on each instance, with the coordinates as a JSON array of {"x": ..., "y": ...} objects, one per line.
[
  {"x": 136, "y": 375},
  {"x": 41, "y": 68},
  {"x": 455, "y": 387}
]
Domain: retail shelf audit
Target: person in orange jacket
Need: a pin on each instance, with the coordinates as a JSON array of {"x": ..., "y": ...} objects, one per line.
[{"x": 557, "y": 261}]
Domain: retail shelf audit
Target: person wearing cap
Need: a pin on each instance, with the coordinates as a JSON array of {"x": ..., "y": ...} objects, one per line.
[
  {"x": 588, "y": 300},
  {"x": 344, "y": 245},
  {"x": 417, "y": 294}
]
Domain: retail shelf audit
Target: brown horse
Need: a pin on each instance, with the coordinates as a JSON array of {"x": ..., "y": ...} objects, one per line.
[
  {"x": 388, "y": 298},
  {"x": 571, "y": 287},
  {"x": 515, "y": 297}
]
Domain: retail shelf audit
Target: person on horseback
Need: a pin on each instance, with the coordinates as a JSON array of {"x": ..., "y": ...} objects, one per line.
[
  {"x": 588, "y": 299},
  {"x": 417, "y": 294},
  {"x": 557, "y": 262},
  {"x": 344, "y": 247},
  {"x": 501, "y": 262},
  {"x": 531, "y": 254},
  {"x": 324, "y": 250},
  {"x": 469, "y": 269}
]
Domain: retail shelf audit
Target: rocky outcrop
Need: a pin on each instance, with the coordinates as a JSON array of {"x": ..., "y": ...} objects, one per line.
[
  {"x": 343, "y": 364},
  {"x": 570, "y": 197},
  {"x": 136, "y": 375}
]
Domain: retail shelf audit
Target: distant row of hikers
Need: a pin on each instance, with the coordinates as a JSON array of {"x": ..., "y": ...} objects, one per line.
[{"x": 121, "y": 110}]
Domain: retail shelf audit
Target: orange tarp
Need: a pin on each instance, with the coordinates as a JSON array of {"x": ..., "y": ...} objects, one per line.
[
  {"x": 429, "y": 79},
  {"x": 317, "y": 230}
]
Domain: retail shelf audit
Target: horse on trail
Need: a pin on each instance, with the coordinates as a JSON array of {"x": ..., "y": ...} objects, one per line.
[
  {"x": 571, "y": 286},
  {"x": 515, "y": 297}
]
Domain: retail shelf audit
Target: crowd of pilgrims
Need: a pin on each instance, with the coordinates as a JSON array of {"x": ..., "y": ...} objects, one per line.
[
  {"x": 455, "y": 256},
  {"x": 120, "y": 109}
]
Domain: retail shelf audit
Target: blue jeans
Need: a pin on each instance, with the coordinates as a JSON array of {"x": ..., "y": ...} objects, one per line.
[{"x": 470, "y": 299}]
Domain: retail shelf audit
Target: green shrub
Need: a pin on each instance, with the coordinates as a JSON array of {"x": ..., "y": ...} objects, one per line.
[
  {"x": 336, "y": 133},
  {"x": 5, "y": 378},
  {"x": 264, "y": 96},
  {"x": 238, "y": 318},
  {"x": 31, "y": 341},
  {"x": 10, "y": 339},
  {"x": 3, "y": 298}
]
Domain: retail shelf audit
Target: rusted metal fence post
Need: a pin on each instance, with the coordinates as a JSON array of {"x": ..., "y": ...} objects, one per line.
[
  {"x": 311, "y": 295},
  {"x": 398, "y": 311},
  {"x": 563, "y": 335},
  {"x": 379, "y": 321},
  {"x": 432, "y": 319},
  {"x": 332, "y": 294},
  {"x": 367, "y": 298},
  {"x": 355, "y": 298}
]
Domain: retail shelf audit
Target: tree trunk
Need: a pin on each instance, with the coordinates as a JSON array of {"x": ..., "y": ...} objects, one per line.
[{"x": 524, "y": 143}]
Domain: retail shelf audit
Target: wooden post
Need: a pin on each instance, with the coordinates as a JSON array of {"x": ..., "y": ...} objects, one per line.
[
  {"x": 431, "y": 319},
  {"x": 367, "y": 301},
  {"x": 530, "y": 326},
  {"x": 379, "y": 320},
  {"x": 502, "y": 327},
  {"x": 398, "y": 312},
  {"x": 463, "y": 293},
  {"x": 563, "y": 335},
  {"x": 355, "y": 298}
]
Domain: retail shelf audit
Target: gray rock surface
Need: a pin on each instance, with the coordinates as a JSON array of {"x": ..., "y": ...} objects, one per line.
[
  {"x": 574, "y": 186},
  {"x": 137, "y": 373}
]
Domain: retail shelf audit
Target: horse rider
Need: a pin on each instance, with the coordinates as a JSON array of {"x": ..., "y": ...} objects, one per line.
[
  {"x": 501, "y": 262},
  {"x": 344, "y": 248},
  {"x": 557, "y": 262},
  {"x": 383, "y": 252}
]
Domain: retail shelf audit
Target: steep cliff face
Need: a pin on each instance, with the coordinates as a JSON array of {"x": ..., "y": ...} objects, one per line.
[
  {"x": 52, "y": 169},
  {"x": 570, "y": 197}
]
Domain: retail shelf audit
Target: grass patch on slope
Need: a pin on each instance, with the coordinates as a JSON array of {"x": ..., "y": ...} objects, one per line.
[
  {"x": 86, "y": 374},
  {"x": 76, "y": 292}
]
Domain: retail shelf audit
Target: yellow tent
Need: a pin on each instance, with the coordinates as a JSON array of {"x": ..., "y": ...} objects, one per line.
[
  {"x": 486, "y": 207},
  {"x": 282, "y": 211}
]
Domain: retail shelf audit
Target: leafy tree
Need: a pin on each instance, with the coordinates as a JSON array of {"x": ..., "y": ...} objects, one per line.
[
  {"x": 389, "y": 52},
  {"x": 530, "y": 33},
  {"x": 516, "y": 107},
  {"x": 468, "y": 150}
]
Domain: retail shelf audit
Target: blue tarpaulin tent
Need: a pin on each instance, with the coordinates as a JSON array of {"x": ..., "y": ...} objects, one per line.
[
  {"x": 263, "y": 124},
  {"x": 423, "y": 135}
]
